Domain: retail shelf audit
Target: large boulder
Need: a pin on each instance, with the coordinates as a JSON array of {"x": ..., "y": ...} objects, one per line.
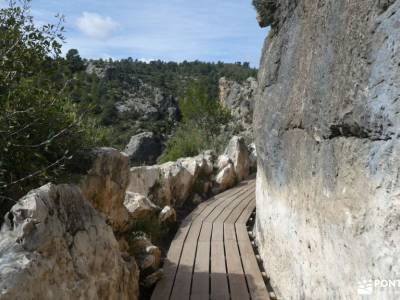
[
  {"x": 327, "y": 134},
  {"x": 171, "y": 183},
  {"x": 55, "y": 245},
  {"x": 105, "y": 184},
  {"x": 143, "y": 179},
  {"x": 144, "y": 149},
  {"x": 226, "y": 176},
  {"x": 238, "y": 153},
  {"x": 140, "y": 207}
]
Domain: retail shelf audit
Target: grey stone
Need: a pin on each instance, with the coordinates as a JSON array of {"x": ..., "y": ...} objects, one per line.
[
  {"x": 239, "y": 99},
  {"x": 144, "y": 149},
  {"x": 238, "y": 153},
  {"x": 327, "y": 134},
  {"x": 140, "y": 207}
]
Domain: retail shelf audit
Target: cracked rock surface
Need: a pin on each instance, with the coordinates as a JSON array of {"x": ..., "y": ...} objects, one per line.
[
  {"x": 327, "y": 127},
  {"x": 55, "y": 245}
]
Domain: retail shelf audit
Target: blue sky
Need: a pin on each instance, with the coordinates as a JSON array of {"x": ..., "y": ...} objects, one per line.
[{"x": 208, "y": 30}]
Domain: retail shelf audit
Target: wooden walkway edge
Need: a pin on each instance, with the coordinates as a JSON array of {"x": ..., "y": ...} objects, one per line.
[{"x": 211, "y": 256}]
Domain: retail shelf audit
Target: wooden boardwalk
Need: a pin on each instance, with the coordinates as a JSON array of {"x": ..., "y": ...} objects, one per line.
[{"x": 211, "y": 256}]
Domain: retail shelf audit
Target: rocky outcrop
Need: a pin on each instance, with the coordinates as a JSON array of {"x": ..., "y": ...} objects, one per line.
[
  {"x": 173, "y": 183},
  {"x": 226, "y": 176},
  {"x": 55, "y": 245},
  {"x": 238, "y": 152},
  {"x": 144, "y": 149},
  {"x": 327, "y": 135},
  {"x": 239, "y": 99},
  {"x": 144, "y": 102},
  {"x": 140, "y": 207},
  {"x": 105, "y": 184}
]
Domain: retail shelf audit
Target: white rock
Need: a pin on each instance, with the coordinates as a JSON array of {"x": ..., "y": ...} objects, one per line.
[
  {"x": 167, "y": 215},
  {"x": 238, "y": 153},
  {"x": 170, "y": 183},
  {"x": 226, "y": 178},
  {"x": 143, "y": 179},
  {"x": 252, "y": 157},
  {"x": 55, "y": 245},
  {"x": 223, "y": 161},
  {"x": 139, "y": 206}
]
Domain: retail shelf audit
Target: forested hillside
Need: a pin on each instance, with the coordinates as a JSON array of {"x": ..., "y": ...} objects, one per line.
[
  {"x": 130, "y": 96},
  {"x": 56, "y": 106}
]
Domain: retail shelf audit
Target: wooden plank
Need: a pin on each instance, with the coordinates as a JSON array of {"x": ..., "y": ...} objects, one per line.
[
  {"x": 200, "y": 279},
  {"x": 181, "y": 288},
  {"x": 247, "y": 213},
  {"x": 229, "y": 232},
  {"x": 171, "y": 263},
  {"x": 219, "y": 280},
  {"x": 201, "y": 276},
  {"x": 200, "y": 285},
  {"x": 237, "y": 212},
  {"x": 235, "y": 202},
  {"x": 236, "y": 277},
  {"x": 214, "y": 215},
  {"x": 192, "y": 252},
  {"x": 257, "y": 288},
  {"x": 165, "y": 285},
  {"x": 171, "y": 273}
]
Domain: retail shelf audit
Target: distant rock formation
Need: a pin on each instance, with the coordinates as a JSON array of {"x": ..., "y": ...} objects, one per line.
[
  {"x": 327, "y": 134},
  {"x": 145, "y": 103},
  {"x": 239, "y": 99}
]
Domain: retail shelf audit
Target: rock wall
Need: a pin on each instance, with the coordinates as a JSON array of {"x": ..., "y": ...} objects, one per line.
[
  {"x": 239, "y": 99},
  {"x": 327, "y": 135},
  {"x": 195, "y": 178}
]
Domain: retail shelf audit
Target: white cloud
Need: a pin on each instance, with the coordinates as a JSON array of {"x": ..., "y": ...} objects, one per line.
[
  {"x": 147, "y": 60},
  {"x": 96, "y": 26}
]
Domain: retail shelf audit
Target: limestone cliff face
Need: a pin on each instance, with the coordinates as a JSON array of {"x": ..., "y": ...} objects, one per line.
[
  {"x": 327, "y": 125},
  {"x": 238, "y": 97}
]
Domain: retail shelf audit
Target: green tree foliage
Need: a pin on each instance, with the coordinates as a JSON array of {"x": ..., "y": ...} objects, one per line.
[
  {"x": 112, "y": 81},
  {"x": 202, "y": 126},
  {"x": 74, "y": 61},
  {"x": 40, "y": 127}
]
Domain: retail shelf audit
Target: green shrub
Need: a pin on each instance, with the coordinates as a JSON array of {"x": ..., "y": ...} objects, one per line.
[
  {"x": 40, "y": 127},
  {"x": 187, "y": 141},
  {"x": 201, "y": 127}
]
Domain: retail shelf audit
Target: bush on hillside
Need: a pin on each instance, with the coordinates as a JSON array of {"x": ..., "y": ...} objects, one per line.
[
  {"x": 202, "y": 125},
  {"x": 40, "y": 127}
]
